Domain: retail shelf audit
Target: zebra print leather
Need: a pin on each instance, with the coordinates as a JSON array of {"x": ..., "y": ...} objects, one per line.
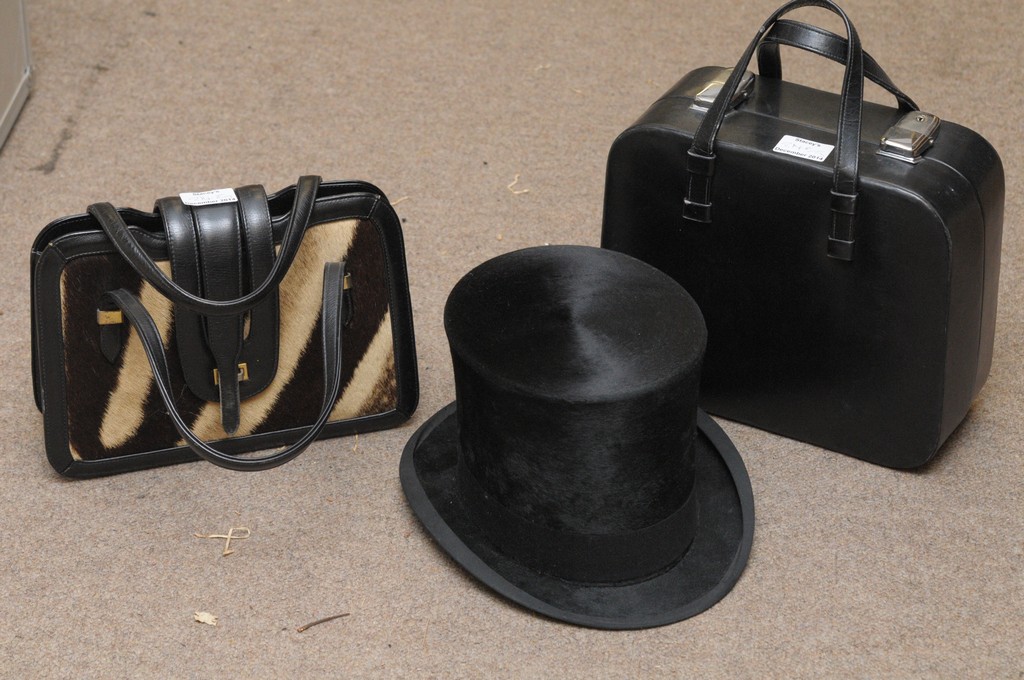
[
  {"x": 331, "y": 322},
  {"x": 105, "y": 411}
]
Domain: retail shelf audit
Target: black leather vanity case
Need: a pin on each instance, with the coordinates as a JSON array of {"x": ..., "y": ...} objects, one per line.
[{"x": 845, "y": 254}]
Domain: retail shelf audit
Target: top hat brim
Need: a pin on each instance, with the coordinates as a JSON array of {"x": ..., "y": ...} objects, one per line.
[{"x": 705, "y": 574}]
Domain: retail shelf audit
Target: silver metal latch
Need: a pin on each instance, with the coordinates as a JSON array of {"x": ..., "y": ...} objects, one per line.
[
  {"x": 703, "y": 99},
  {"x": 909, "y": 137}
]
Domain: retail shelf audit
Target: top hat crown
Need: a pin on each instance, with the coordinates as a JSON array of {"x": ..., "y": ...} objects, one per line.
[{"x": 576, "y": 378}]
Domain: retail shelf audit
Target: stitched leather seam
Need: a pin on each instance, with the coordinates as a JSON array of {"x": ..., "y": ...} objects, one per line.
[
  {"x": 860, "y": 116},
  {"x": 112, "y": 250},
  {"x": 844, "y": 105},
  {"x": 170, "y": 251},
  {"x": 243, "y": 216},
  {"x": 401, "y": 376},
  {"x": 62, "y": 415},
  {"x": 193, "y": 238},
  {"x": 39, "y": 332},
  {"x": 238, "y": 249},
  {"x": 261, "y": 205}
]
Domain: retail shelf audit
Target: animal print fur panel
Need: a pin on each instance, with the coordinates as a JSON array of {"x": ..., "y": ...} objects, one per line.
[{"x": 113, "y": 409}]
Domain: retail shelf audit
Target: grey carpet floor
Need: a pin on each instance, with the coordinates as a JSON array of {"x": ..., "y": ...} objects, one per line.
[{"x": 856, "y": 570}]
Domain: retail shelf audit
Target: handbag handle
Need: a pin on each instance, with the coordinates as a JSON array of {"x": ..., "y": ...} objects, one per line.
[
  {"x": 701, "y": 156},
  {"x": 823, "y": 43},
  {"x": 117, "y": 231},
  {"x": 331, "y": 325}
]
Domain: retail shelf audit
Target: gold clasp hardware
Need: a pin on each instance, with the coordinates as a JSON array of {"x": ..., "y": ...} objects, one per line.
[
  {"x": 112, "y": 318},
  {"x": 243, "y": 373},
  {"x": 347, "y": 282}
]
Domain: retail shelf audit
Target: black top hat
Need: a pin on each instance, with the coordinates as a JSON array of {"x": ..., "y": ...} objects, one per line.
[{"x": 574, "y": 473}]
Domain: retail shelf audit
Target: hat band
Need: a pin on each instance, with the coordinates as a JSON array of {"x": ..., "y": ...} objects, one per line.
[{"x": 584, "y": 558}]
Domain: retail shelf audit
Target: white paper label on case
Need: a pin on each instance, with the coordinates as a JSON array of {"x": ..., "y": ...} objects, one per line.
[
  {"x": 803, "y": 148},
  {"x": 209, "y": 197}
]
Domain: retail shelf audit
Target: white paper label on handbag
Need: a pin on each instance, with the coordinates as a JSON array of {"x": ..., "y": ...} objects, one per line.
[
  {"x": 209, "y": 197},
  {"x": 803, "y": 148}
]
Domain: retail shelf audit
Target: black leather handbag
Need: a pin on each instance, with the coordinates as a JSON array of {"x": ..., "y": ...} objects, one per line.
[
  {"x": 255, "y": 322},
  {"x": 845, "y": 254}
]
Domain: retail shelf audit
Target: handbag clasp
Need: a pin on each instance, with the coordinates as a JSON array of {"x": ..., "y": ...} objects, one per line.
[{"x": 707, "y": 94}]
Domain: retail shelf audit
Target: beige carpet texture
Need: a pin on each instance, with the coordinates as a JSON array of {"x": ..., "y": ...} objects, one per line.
[{"x": 488, "y": 124}]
